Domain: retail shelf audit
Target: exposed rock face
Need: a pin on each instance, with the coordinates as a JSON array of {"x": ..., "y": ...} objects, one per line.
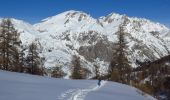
[{"x": 102, "y": 49}]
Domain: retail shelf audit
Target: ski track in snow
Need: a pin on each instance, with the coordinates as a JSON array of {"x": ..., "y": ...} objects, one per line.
[{"x": 79, "y": 94}]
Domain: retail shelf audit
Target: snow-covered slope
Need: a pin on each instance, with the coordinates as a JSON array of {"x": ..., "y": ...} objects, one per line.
[
  {"x": 65, "y": 34},
  {"x": 145, "y": 38},
  {"x": 26, "y": 30},
  {"x": 74, "y": 32},
  {"x": 74, "y": 21},
  {"x": 15, "y": 86}
]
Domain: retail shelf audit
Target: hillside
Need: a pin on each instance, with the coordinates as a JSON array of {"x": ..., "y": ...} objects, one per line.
[{"x": 15, "y": 86}]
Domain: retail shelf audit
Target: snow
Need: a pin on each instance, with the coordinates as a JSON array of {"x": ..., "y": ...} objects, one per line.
[
  {"x": 75, "y": 21},
  {"x": 67, "y": 23},
  {"x": 16, "y": 86},
  {"x": 59, "y": 37},
  {"x": 26, "y": 30}
]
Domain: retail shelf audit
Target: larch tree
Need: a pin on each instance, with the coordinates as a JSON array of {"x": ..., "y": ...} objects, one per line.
[
  {"x": 9, "y": 45},
  {"x": 120, "y": 68},
  {"x": 57, "y": 72},
  {"x": 33, "y": 60},
  {"x": 76, "y": 68},
  {"x": 97, "y": 74}
]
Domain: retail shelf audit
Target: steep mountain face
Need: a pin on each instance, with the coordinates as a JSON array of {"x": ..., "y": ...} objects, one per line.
[
  {"x": 73, "y": 32},
  {"x": 145, "y": 39}
]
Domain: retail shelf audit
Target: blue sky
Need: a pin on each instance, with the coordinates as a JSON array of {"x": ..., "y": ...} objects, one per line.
[{"x": 35, "y": 10}]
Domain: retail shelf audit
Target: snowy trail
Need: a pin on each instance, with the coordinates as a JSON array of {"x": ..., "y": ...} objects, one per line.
[{"x": 79, "y": 94}]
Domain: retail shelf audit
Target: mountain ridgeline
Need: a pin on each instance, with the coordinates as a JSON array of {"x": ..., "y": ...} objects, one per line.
[
  {"x": 60, "y": 37},
  {"x": 72, "y": 44}
]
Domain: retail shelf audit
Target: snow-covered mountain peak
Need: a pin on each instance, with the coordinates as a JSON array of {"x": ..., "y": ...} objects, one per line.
[
  {"x": 75, "y": 32},
  {"x": 146, "y": 25},
  {"x": 66, "y": 21},
  {"x": 141, "y": 24},
  {"x": 78, "y": 15},
  {"x": 111, "y": 17}
]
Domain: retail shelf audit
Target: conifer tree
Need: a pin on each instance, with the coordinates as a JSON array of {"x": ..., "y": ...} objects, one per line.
[
  {"x": 76, "y": 68},
  {"x": 119, "y": 67},
  {"x": 9, "y": 43},
  {"x": 97, "y": 74},
  {"x": 57, "y": 72},
  {"x": 33, "y": 60}
]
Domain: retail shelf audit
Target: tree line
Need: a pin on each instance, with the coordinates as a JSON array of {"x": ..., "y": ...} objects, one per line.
[
  {"x": 157, "y": 74},
  {"x": 152, "y": 78},
  {"x": 15, "y": 57},
  {"x": 12, "y": 56}
]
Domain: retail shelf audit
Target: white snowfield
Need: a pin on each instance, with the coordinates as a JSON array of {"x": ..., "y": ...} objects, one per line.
[{"x": 16, "y": 86}]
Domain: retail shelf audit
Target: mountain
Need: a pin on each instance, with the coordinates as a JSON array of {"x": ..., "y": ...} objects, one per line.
[
  {"x": 27, "y": 31},
  {"x": 77, "y": 33},
  {"x": 16, "y": 86}
]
